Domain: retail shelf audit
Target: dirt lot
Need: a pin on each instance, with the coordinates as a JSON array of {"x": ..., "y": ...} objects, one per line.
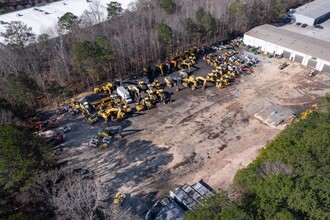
[{"x": 204, "y": 134}]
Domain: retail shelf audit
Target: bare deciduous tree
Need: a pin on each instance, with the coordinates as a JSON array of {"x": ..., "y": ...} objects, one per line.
[{"x": 74, "y": 197}]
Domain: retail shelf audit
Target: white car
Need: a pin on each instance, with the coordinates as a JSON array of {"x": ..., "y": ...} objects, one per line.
[
  {"x": 106, "y": 140},
  {"x": 94, "y": 142},
  {"x": 66, "y": 128}
]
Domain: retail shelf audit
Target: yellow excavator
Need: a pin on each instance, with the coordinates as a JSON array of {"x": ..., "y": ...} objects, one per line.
[
  {"x": 152, "y": 95},
  {"x": 211, "y": 77},
  {"x": 75, "y": 106},
  {"x": 201, "y": 80},
  {"x": 109, "y": 87},
  {"x": 142, "y": 86},
  {"x": 85, "y": 108},
  {"x": 221, "y": 83},
  {"x": 160, "y": 67},
  {"x": 169, "y": 82},
  {"x": 190, "y": 82},
  {"x": 161, "y": 95},
  {"x": 110, "y": 112},
  {"x": 157, "y": 85},
  {"x": 97, "y": 90},
  {"x": 187, "y": 63},
  {"x": 136, "y": 91}
]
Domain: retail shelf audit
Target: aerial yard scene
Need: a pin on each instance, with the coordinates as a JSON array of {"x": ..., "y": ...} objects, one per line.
[{"x": 224, "y": 127}]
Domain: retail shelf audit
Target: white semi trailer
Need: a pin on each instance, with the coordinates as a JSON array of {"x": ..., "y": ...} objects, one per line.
[{"x": 124, "y": 94}]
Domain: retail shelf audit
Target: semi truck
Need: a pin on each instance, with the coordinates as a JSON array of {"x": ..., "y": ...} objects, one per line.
[{"x": 124, "y": 94}]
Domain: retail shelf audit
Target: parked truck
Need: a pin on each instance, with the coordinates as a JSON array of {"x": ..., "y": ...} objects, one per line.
[
  {"x": 124, "y": 94},
  {"x": 182, "y": 199}
]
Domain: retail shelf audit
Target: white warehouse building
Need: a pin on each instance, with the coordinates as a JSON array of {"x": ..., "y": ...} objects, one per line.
[
  {"x": 294, "y": 46},
  {"x": 313, "y": 13}
]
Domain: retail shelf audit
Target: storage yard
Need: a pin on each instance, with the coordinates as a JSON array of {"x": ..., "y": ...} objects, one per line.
[{"x": 200, "y": 134}]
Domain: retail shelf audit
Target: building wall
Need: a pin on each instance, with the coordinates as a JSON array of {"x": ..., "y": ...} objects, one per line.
[
  {"x": 322, "y": 18},
  {"x": 304, "y": 19},
  {"x": 270, "y": 48}
]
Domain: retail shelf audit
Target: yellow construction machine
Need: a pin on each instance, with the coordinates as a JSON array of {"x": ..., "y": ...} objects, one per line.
[
  {"x": 139, "y": 107},
  {"x": 110, "y": 113},
  {"x": 97, "y": 90},
  {"x": 157, "y": 85},
  {"x": 109, "y": 87},
  {"x": 85, "y": 109},
  {"x": 75, "y": 106},
  {"x": 201, "y": 80},
  {"x": 306, "y": 113},
  {"x": 152, "y": 95},
  {"x": 147, "y": 103},
  {"x": 190, "y": 82},
  {"x": 119, "y": 199},
  {"x": 187, "y": 63},
  {"x": 97, "y": 105},
  {"x": 160, "y": 94},
  {"x": 110, "y": 131},
  {"x": 211, "y": 77},
  {"x": 160, "y": 67},
  {"x": 169, "y": 82},
  {"x": 125, "y": 108},
  {"x": 136, "y": 92},
  {"x": 220, "y": 84},
  {"x": 142, "y": 86}
]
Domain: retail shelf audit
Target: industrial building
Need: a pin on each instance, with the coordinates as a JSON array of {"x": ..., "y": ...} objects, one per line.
[
  {"x": 313, "y": 13},
  {"x": 294, "y": 46}
]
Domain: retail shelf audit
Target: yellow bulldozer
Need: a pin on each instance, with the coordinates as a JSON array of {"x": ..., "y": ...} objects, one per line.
[{"x": 147, "y": 103}]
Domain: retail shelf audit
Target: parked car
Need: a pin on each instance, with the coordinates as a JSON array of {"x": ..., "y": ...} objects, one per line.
[
  {"x": 81, "y": 171},
  {"x": 66, "y": 128},
  {"x": 304, "y": 25},
  {"x": 318, "y": 26},
  {"x": 106, "y": 140},
  {"x": 94, "y": 142},
  {"x": 298, "y": 23},
  {"x": 86, "y": 174}
]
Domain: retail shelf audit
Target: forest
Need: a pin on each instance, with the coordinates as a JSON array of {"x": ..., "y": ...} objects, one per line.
[
  {"x": 38, "y": 71},
  {"x": 290, "y": 179}
]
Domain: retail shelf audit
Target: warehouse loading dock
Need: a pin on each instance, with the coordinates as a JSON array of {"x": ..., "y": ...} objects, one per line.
[{"x": 291, "y": 44}]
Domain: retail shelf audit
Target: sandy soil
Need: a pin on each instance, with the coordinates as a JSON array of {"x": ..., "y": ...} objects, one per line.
[{"x": 204, "y": 134}]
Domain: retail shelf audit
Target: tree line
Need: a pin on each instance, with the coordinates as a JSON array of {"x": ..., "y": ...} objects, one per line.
[
  {"x": 121, "y": 44},
  {"x": 290, "y": 179}
]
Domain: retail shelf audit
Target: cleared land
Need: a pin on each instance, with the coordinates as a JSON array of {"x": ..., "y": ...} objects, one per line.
[{"x": 203, "y": 134}]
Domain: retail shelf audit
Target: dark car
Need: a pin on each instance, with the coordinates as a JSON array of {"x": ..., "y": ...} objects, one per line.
[
  {"x": 318, "y": 26},
  {"x": 81, "y": 171},
  {"x": 84, "y": 173},
  {"x": 298, "y": 23},
  {"x": 304, "y": 25}
]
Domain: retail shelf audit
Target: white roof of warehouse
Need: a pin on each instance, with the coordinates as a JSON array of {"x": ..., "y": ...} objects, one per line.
[
  {"x": 292, "y": 40},
  {"x": 40, "y": 22},
  {"x": 314, "y": 9}
]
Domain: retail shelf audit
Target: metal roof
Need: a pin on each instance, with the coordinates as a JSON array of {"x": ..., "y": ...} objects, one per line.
[
  {"x": 292, "y": 40},
  {"x": 314, "y": 9}
]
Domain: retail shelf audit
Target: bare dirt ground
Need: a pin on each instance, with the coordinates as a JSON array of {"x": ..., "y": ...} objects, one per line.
[{"x": 204, "y": 134}]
